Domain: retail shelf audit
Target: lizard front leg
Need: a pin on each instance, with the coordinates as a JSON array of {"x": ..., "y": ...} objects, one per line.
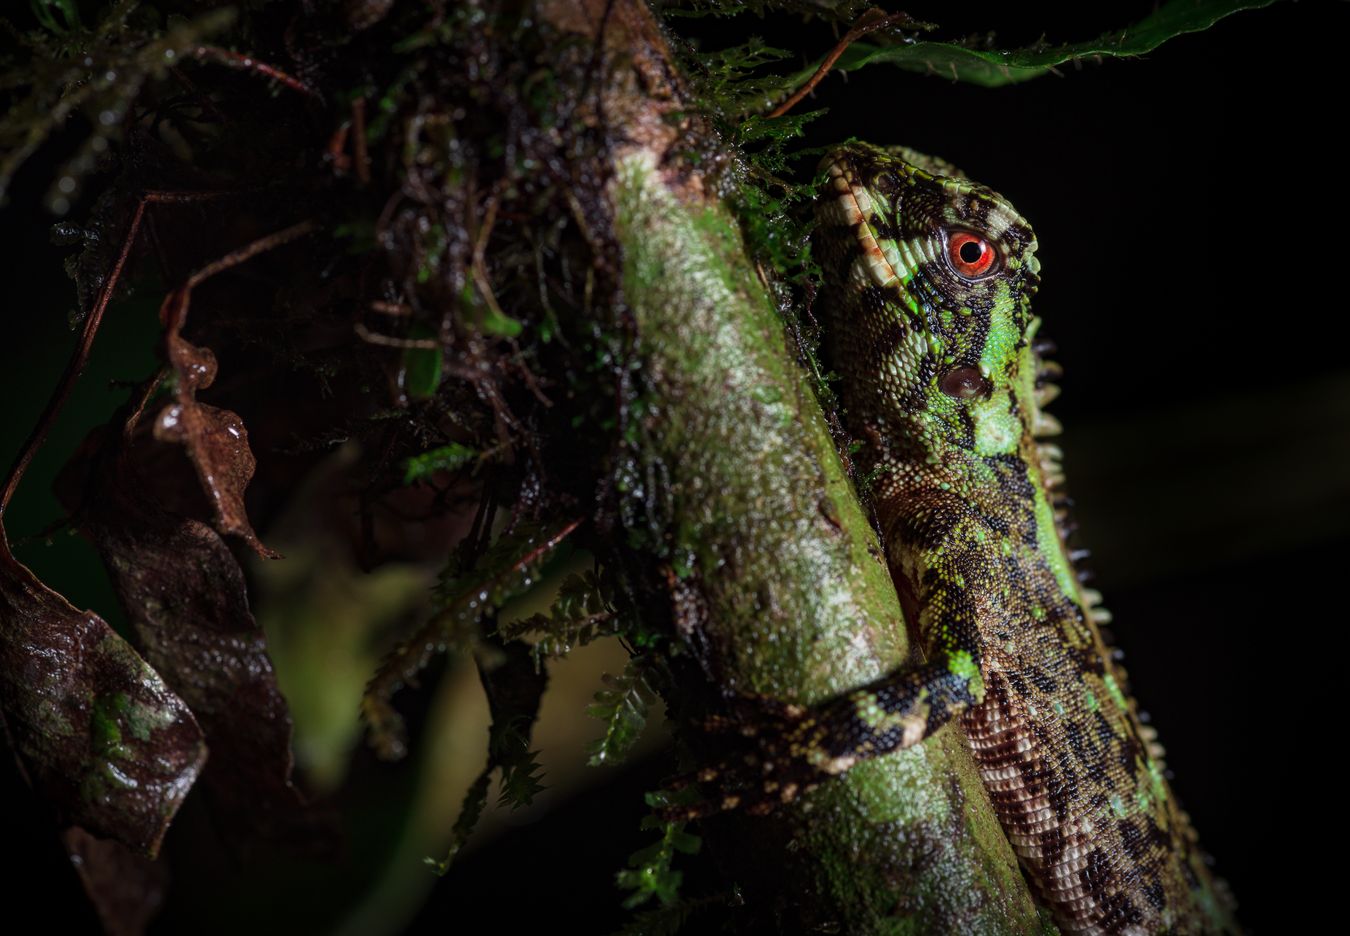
[{"x": 796, "y": 748}]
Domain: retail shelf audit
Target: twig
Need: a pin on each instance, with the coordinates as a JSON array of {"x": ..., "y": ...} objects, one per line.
[
  {"x": 249, "y": 64},
  {"x": 389, "y": 341},
  {"x": 870, "y": 21},
  {"x": 359, "y": 150},
  {"x": 80, "y": 356}
]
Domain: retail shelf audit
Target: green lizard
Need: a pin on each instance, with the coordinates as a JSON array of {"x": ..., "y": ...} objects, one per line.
[{"x": 928, "y": 281}]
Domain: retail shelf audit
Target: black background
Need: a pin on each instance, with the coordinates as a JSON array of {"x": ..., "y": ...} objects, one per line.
[{"x": 1190, "y": 213}]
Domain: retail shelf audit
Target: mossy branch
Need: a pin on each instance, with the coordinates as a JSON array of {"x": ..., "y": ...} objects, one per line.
[{"x": 767, "y": 539}]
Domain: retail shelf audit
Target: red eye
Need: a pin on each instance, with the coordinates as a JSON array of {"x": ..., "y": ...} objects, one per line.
[{"x": 969, "y": 254}]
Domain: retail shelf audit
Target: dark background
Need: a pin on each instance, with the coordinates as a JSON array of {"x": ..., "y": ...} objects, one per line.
[{"x": 1190, "y": 213}]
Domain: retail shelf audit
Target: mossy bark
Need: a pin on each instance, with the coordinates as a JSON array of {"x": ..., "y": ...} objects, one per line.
[{"x": 767, "y": 540}]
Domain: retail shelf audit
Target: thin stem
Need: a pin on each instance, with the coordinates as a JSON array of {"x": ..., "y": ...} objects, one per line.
[
  {"x": 360, "y": 153},
  {"x": 389, "y": 341},
  {"x": 80, "y": 356},
  {"x": 94, "y": 319},
  {"x": 870, "y": 21},
  {"x": 249, "y": 251},
  {"x": 249, "y": 64}
]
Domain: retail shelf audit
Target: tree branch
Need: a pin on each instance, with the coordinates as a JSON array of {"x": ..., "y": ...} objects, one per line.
[{"x": 771, "y": 544}]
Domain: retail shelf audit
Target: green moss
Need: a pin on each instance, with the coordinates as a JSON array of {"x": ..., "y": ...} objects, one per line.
[
  {"x": 104, "y": 722},
  {"x": 809, "y": 612}
]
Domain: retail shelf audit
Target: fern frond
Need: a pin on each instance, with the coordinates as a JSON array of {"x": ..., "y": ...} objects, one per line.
[
  {"x": 509, "y": 568},
  {"x": 622, "y": 705},
  {"x": 581, "y": 613},
  {"x": 513, "y": 689}
]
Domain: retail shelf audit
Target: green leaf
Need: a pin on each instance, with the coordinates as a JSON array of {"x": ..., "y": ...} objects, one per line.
[
  {"x": 45, "y": 11},
  {"x": 499, "y": 323},
  {"x": 450, "y": 457},
  {"x": 995, "y": 67},
  {"x": 422, "y": 371},
  {"x": 649, "y": 873}
]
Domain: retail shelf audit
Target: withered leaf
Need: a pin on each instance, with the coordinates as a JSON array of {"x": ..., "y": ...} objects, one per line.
[
  {"x": 95, "y": 728},
  {"x": 215, "y": 439},
  {"x": 125, "y": 888},
  {"x": 187, "y": 603}
]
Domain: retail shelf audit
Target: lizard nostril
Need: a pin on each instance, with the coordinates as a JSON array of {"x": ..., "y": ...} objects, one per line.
[{"x": 963, "y": 383}]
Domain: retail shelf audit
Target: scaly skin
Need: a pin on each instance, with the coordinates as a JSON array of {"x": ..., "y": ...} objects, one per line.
[{"x": 943, "y": 382}]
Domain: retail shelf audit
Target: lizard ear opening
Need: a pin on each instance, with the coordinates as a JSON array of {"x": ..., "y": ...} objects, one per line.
[{"x": 964, "y": 383}]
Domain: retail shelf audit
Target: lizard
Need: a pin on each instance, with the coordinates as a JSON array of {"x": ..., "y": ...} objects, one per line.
[{"x": 927, "y": 284}]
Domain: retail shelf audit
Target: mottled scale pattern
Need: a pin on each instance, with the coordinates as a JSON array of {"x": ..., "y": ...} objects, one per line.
[{"x": 942, "y": 381}]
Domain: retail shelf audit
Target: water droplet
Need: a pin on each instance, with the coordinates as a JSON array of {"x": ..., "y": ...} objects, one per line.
[
  {"x": 107, "y": 118},
  {"x": 65, "y": 233},
  {"x": 121, "y": 779},
  {"x": 169, "y": 419},
  {"x": 66, "y": 185}
]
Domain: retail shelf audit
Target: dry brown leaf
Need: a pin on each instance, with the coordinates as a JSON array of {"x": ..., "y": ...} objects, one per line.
[
  {"x": 215, "y": 439},
  {"x": 94, "y": 726}
]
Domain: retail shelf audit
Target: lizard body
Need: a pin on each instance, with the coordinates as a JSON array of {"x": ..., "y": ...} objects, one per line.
[
  {"x": 927, "y": 285},
  {"x": 929, "y": 280}
]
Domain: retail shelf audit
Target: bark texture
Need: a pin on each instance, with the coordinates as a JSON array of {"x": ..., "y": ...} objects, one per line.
[{"x": 777, "y": 576}]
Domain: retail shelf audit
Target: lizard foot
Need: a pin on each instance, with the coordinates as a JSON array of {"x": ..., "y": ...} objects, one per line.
[{"x": 785, "y": 760}]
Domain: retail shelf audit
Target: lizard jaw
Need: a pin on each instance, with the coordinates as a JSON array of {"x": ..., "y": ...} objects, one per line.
[{"x": 855, "y": 210}]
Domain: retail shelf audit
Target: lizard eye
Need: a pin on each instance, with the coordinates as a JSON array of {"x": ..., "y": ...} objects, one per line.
[{"x": 970, "y": 255}]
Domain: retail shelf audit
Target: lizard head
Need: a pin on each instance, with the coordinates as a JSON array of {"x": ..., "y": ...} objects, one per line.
[{"x": 930, "y": 278}]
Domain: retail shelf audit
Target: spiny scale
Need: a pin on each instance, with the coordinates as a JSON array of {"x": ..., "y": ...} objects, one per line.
[{"x": 975, "y": 530}]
